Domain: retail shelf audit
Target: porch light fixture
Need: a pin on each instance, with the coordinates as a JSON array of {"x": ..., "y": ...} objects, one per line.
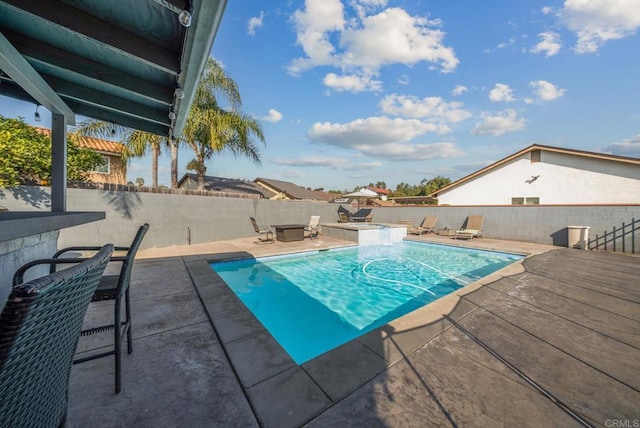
[
  {"x": 185, "y": 16},
  {"x": 36, "y": 116}
]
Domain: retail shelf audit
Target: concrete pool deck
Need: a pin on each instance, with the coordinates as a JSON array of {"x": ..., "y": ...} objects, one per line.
[{"x": 551, "y": 341}]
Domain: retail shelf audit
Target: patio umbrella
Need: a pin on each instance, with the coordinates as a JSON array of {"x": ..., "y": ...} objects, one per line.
[{"x": 362, "y": 194}]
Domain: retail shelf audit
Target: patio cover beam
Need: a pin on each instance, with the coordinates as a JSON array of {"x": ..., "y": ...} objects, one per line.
[
  {"x": 198, "y": 44},
  {"x": 58, "y": 162},
  {"x": 82, "y": 24},
  {"x": 16, "y": 67},
  {"x": 41, "y": 54}
]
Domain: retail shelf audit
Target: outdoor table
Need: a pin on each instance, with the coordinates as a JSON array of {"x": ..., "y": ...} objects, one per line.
[{"x": 289, "y": 232}]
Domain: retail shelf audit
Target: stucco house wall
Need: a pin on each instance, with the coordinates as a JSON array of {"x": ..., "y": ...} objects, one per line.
[
  {"x": 117, "y": 171},
  {"x": 557, "y": 178}
]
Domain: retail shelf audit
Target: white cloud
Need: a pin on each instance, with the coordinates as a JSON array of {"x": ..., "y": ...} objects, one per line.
[
  {"x": 254, "y": 23},
  {"x": 412, "y": 152},
  {"x": 352, "y": 83},
  {"x": 459, "y": 90},
  {"x": 501, "y": 92},
  {"x": 546, "y": 91},
  {"x": 273, "y": 116},
  {"x": 361, "y": 45},
  {"x": 369, "y": 131},
  {"x": 340, "y": 163},
  {"x": 404, "y": 80},
  {"x": 383, "y": 138},
  {"x": 433, "y": 109},
  {"x": 292, "y": 173},
  {"x": 629, "y": 147},
  {"x": 468, "y": 168},
  {"x": 512, "y": 40},
  {"x": 313, "y": 27},
  {"x": 310, "y": 161},
  {"x": 596, "y": 21},
  {"x": 546, "y": 10},
  {"x": 549, "y": 45},
  {"x": 362, "y": 7},
  {"x": 361, "y": 166},
  {"x": 394, "y": 36},
  {"x": 501, "y": 123}
]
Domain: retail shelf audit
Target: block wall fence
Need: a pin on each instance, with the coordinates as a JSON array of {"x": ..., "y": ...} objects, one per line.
[{"x": 191, "y": 219}]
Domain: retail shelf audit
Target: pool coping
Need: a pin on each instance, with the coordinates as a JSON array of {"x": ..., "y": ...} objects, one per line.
[{"x": 274, "y": 384}]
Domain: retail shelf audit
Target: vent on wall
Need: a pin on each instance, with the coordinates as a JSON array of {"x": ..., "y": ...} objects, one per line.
[{"x": 535, "y": 155}]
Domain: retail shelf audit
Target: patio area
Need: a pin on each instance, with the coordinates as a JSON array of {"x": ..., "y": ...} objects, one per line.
[{"x": 553, "y": 341}]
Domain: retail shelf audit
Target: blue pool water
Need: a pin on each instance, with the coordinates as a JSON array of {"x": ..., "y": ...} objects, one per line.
[{"x": 314, "y": 302}]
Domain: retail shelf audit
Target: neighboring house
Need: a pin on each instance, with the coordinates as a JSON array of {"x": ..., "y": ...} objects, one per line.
[
  {"x": 545, "y": 175},
  {"x": 229, "y": 185},
  {"x": 287, "y": 190},
  {"x": 112, "y": 170},
  {"x": 382, "y": 193}
]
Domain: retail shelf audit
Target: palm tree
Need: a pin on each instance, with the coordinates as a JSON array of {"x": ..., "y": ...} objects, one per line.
[
  {"x": 136, "y": 143},
  {"x": 173, "y": 146},
  {"x": 211, "y": 129}
]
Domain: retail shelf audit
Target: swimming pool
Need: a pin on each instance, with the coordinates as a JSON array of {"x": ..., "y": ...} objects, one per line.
[{"x": 314, "y": 302}]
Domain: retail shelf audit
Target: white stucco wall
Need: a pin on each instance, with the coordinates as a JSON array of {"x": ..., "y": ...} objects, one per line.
[{"x": 563, "y": 179}]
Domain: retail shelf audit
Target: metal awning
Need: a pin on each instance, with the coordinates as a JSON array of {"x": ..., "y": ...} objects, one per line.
[{"x": 129, "y": 62}]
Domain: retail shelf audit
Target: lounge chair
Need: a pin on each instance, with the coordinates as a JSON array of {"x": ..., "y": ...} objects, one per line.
[
  {"x": 39, "y": 329},
  {"x": 428, "y": 225},
  {"x": 314, "y": 227},
  {"x": 116, "y": 288},
  {"x": 263, "y": 231},
  {"x": 362, "y": 215},
  {"x": 343, "y": 217},
  {"x": 472, "y": 228}
]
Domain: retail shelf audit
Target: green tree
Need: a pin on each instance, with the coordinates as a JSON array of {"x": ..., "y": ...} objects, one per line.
[
  {"x": 435, "y": 183},
  {"x": 404, "y": 189},
  {"x": 425, "y": 188},
  {"x": 139, "y": 181},
  {"x": 25, "y": 155},
  {"x": 211, "y": 129},
  {"x": 379, "y": 184},
  {"x": 136, "y": 143}
]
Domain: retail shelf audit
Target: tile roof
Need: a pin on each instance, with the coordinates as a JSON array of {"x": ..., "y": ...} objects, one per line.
[
  {"x": 97, "y": 144},
  {"x": 379, "y": 190}
]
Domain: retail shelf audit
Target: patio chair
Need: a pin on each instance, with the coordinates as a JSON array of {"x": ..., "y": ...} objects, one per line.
[
  {"x": 344, "y": 216},
  {"x": 472, "y": 228},
  {"x": 114, "y": 287},
  {"x": 362, "y": 215},
  {"x": 428, "y": 225},
  {"x": 39, "y": 329},
  {"x": 262, "y": 230},
  {"x": 314, "y": 226}
]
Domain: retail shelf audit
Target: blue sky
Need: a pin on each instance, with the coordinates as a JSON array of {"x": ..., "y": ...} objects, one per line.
[{"x": 358, "y": 91}]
